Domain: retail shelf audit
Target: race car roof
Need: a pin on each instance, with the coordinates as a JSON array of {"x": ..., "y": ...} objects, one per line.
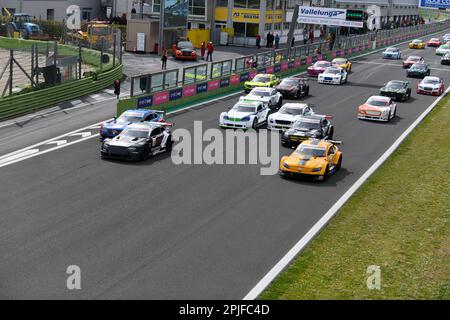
[
  {"x": 294, "y": 105},
  {"x": 380, "y": 98},
  {"x": 316, "y": 143},
  {"x": 265, "y": 89},
  {"x": 144, "y": 126},
  {"x": 138, "y": 112},
  {"x": 432, "y": 78}
]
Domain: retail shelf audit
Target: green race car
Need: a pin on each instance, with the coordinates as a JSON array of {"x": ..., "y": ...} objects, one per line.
[
  {"x": 262, "y": 80},
  {"x": 397, "y": 90}
]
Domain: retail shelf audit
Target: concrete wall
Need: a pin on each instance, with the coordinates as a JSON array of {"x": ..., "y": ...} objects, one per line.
[{"x": 38, "y": 8}]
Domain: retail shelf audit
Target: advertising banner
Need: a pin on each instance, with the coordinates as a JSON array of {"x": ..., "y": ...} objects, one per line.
[
  {"x": 442, "y": 4},
  {"x": 189, "y": 91},
  {"x": 145, "y": 102},
  {"x": 235, "y": 79},
  {"x": 325, "y": 16},
  {"x": 225, "y": 82},
  {"x": 176, "y": 94},
  {"x": 160, "y": 97},
  {"x": 213, "y": 85},
  {"x": 202, "y": 87}
]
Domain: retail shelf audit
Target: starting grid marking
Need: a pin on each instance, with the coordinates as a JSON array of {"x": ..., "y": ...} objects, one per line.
[{"x": 51, "y": 145}]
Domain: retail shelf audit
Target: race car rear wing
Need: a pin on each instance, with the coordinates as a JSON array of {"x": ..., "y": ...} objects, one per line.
[{"x": 165, "y": 124}]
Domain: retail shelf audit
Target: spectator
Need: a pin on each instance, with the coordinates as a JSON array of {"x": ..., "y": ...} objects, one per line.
[
  {"x": 305, "y": 35},
  {"x": 277, "y": 41},
  {"x": 258, "y": 41},
  {"x": 164, "y": 59},
  {"x": 210, "y": 51},
  {"x": 293, "y": 42},
  {"x": 203, "y": 50},
  {"x": 117, "y": 88},
  {"x": 311, "y": 35},
  {"x": 268, "y": 40}
]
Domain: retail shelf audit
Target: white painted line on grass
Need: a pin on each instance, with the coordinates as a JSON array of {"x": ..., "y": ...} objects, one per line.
[{"x": 300, "y": 245}]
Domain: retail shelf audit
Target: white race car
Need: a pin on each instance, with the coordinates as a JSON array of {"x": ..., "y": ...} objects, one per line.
[
  {"x": 269, "y": 96},
  {"x": 378, "y": 108},
  {"x": 333, "y": 75},
  {"x": 287, "y": 115},
  {"x": 431, "y": 85},
  {"x": 245, "y": 115}
]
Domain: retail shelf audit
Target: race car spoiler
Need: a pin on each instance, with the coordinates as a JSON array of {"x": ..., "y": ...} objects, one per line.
[{"x": 165, "y": 124}]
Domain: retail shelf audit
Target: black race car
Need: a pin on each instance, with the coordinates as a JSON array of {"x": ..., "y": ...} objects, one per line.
[
  {"x": 139, "y": 141},
  {"x": 418, "y": 70},
  {"x": 446, "y": 59},
  {"x": 396, "y": 89},
  {"x": 293, "y": 88},
  {"x": 306, "y": 127}
]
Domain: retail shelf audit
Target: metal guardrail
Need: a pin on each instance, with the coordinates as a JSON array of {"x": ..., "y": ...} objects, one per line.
[{"x": 159, "y": 81}]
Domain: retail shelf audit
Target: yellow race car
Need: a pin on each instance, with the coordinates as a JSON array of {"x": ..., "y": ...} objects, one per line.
[
  {"x": 314, "y": 157},
  {"x": 417, "y": 44},
  {"x": 262, "y": 80},
  {"x": 342, "y": 63}
]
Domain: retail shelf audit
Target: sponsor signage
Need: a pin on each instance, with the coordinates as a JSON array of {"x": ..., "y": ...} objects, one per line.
[
  {"x": 176, "y": 14},
  {"x": 269, "y": 69},
  {"x": 202, "y": 87},
  {"x": 285, "y": 66},
  {"x": 291, "y": 64},
  {"x": 160, "y": 97},
  {"x": 277, "y": 68},
  {"x": 176, "y": 94},
  {"x": 442, "y": 4},
  {"x": 225, "y": 82},
  {"x": 245, "y": 76},
  {"x": 235, "y": 79},
  {"x": 189, "y": 91},
  {"x": 248, "y": 15},
  {"x": 325, "y": 16},
  {"x": 145, "y": 102},
  {"x": 213, "y": 85}
]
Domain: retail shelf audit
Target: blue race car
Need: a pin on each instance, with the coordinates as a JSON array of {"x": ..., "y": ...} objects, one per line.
[
  {"x": 114, "y": 127},
  {"x": 392, "y": 53}
]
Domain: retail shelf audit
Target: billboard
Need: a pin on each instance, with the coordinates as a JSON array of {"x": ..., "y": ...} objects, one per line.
[
  {"x": 442, "y": 4},
  {"x": 326, "y": 16},
  {"x": 175, "y": 14}
]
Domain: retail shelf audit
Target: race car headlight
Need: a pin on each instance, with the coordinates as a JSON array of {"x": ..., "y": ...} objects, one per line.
[
  {"x": 225, "y": 118},
  {"x": 286, "y": 165},
  {"x": 105, "y": 146},
  {"x": 317, "y": 169},
  {"x": 132, "y": 149},
  {"x": 245, "y": 118}
]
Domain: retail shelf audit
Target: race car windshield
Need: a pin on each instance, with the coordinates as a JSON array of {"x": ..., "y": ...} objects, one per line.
[
  {"x": 291, "y": 111},
  {"x": 418, "y": 66},
  {"x": 185, "y": 45},
  {"x": 417, "y": 42},
  {"x": 308, "y": 125},
  {"x": 132, "y": 133},
  {"x": 395, "y": 85},
  {"x": 242, "y": 108},
  {"x": 128, "y": 118},
  {"x": 322, "y": 64},
  {"x": 429, "y": 81},
  {"x": 391, "y": 50},
  {"x": 340, "y": 61},
  {"x": 261, "y": 79},
  {"x": 260, "y": 93},
  {"x": 377, "y": 103},
  {"x": 289, "y": 82},
  {"x": 414, "y": 58},
  {"x": 311, "y": 151},
  {"x": 333, "y": 71}
]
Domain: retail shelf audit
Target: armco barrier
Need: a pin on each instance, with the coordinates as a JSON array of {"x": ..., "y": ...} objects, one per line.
[
  {"x": 29, "y": 102},
  {"x": 177, "y": 98}
]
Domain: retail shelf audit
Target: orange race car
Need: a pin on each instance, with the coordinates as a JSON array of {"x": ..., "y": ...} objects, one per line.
[
  {"x": 184, "y": 50},
  {"x": 314, "y": 158}
]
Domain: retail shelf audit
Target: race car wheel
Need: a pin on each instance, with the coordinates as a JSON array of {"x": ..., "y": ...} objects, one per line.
[
  {"x": 169, "y": 144},
  {"x": 255, "y": 124},
  {"x": 280, "y": 103},
  {"x": 298, "y": 95},
  {"x": 339, "y": 164},
  {"x": 395, "y": 113},
  {"x": 326, "y": 174},
  {"x": 307, "y": 91},
  {"x": 330, "y": 135}
]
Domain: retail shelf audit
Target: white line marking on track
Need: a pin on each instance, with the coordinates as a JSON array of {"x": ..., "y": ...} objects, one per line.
[
  {"x": 81, "y": 134},
  {"x": 23, "y": 154},
  {"x": 58, "y": 142},
  {"x": 300, "y": 245}
]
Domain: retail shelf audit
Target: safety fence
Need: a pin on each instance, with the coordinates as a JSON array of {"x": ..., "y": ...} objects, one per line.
[{"x": 201, "y": 82}]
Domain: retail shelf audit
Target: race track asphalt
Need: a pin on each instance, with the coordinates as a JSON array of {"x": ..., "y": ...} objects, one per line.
[{"x": 154, "y": 230}]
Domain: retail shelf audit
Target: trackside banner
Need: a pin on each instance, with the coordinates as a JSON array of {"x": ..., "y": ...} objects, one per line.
[
  {"x": 442, "y": 4},
  {"x": 325, "y": 16}
]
